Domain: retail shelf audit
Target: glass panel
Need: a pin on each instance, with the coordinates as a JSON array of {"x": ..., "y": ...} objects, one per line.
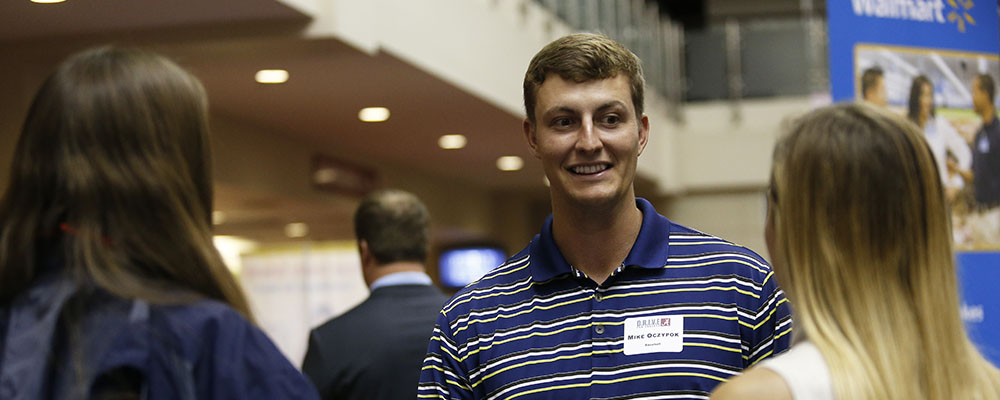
[
  {"x": 705, "y": 64},
  {"x": 775, "y": 59}
]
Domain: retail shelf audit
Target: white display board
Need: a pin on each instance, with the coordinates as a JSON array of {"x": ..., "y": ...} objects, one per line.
[{"x": 293, "y": 289}]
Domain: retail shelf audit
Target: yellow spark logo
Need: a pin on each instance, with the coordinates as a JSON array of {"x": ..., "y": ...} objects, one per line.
[{"x": 960, "y": 14}]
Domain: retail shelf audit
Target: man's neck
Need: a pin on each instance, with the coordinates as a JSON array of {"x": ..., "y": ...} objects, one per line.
[
  {"x": 988, "y": 115},
  {"x": 596, "y": 241},
  {"x": 379, "y": 271}
]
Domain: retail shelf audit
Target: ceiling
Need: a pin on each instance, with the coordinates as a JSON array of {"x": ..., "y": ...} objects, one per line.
[
  {"x": 22, "y": 20},
  {"x": 224, "y": 42},
  {"x": 332, "y": 81}
]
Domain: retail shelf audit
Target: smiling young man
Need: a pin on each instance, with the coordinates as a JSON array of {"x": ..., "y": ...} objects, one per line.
[
  {"x": 611, "y": 299},
  {"x": 873, "y": 87}
]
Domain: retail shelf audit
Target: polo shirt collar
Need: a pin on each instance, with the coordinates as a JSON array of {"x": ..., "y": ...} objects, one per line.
[{"x": 650, "y": 249}]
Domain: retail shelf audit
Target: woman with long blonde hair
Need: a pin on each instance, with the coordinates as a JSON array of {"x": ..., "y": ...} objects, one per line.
[{"x": 859, "y": 238}]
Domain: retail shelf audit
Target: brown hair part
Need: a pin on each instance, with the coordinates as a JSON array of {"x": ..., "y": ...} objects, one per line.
[{"x": 583, "y": 57}]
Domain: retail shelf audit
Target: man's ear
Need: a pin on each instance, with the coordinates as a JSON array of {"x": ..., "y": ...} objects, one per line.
[
  {"x": 643, "y": 132},
  {"x": 366, "y": 253},
  {"x": 531, "y": 136}
]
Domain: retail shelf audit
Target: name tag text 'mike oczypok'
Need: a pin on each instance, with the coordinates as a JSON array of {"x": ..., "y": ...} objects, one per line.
[{"x": 655, "y": 334}]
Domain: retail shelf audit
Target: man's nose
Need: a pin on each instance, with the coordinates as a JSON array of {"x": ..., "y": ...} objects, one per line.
[{"x": 588, "y": 138}]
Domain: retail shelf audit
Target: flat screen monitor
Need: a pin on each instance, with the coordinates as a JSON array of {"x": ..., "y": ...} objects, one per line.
[{"x": 460, "y": 266}]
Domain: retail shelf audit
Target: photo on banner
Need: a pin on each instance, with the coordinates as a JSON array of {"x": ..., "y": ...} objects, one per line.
[{"x": 949, "y": 122}]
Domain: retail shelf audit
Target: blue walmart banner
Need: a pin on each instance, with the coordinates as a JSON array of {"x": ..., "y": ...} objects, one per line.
[
  {"x": 979, "y": 275},
  {"x": 957, "y": 25}
]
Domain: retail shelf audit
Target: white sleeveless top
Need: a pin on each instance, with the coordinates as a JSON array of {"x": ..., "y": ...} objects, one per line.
[{"x": 804, "y": 370}]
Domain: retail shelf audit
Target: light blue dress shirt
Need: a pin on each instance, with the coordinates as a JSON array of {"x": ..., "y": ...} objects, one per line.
[{"x": 402, "y": 278}]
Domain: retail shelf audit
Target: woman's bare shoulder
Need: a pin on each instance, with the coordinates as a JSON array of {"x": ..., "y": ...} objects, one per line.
[{"x": 756, "y": 383}]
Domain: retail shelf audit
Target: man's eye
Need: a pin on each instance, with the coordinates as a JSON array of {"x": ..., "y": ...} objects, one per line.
[
  {"x": 611, "y": 120},
  {"x": 562, "y": 122}
]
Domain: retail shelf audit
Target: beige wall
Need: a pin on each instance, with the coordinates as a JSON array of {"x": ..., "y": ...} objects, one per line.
[
  {"x": 736, "y": 216},
  {"x": 262, "y": 161}
]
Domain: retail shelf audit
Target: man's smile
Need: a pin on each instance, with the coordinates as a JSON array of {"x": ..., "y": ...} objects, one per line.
[{"x": 589, "y": 169}]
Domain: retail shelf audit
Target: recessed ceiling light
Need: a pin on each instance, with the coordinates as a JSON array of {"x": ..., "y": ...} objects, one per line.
[
  {"x": 510, "y": 163},
  {"x": 325, "y": 176},
  {"x": 271, "y": 76},
  {"x": 452, "y": 141},
  {"x": 47, "y": 1},
  {"x": 296, "y": 230},
  {"x": 373, "y": 114},
  {"x": 218, "y": 217}
]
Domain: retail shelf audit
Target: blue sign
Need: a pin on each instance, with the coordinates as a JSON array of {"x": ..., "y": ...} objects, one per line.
[
  {"x": 956, "y": 25},
  {"x": 979, "y": 274}
]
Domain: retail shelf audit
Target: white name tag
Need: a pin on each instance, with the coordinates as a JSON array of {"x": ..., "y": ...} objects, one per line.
[{"x": 657, "y": 334}]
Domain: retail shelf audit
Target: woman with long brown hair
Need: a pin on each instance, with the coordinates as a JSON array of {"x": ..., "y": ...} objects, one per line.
[
  {"x": 859, "y": 238},
  {"x": 942, "y": 138},
  {"x": 109, "y": 281}
]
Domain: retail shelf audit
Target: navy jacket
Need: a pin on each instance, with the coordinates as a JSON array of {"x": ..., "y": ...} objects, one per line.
[
  {"x": 59, "y": 341},
  {"x": 986, "y": 164},
  {"x": 374, "y": 351}
]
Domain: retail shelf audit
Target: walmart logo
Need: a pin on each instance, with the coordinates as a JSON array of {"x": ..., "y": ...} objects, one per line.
[
  {"x": 932, "y": 11},
  {"x": 960, "y": 14}
]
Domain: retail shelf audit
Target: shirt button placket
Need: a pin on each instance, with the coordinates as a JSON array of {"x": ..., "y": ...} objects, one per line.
[{"x": 598, "y": 297}]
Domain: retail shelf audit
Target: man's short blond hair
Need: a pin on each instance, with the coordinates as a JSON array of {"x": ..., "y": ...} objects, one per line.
[{"x": 583, "y": 57}]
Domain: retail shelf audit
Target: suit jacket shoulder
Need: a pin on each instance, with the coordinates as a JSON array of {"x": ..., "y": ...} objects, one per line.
[{"x": 375, "y": 350}]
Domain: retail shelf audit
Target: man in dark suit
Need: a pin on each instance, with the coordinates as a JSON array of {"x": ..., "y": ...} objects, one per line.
[{"x": 374, "y": 351}]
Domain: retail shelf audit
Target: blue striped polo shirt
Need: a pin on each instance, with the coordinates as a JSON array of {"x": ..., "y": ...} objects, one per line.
[{"x": 683, "y": 313}]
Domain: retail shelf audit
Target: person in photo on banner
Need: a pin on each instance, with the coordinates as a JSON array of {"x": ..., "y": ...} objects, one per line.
[
  {"x": 940, "y": 135},
  {"x": 986, "y": 162},
  {"x": 873, "y": 87},
  {"x": 611, "y": 299},
  {"x": 858, "y": 234}
]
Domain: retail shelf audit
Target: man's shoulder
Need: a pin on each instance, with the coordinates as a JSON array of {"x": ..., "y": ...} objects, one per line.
[
  {"x": 346, "y": 322},
  {"x": 387, "y": 300},
  {"x": 993, "y": 127},
  {"x": 428, "y": 293},
  {"x": 690, "y": 247},
  {"x": 686, "y": 241},
  {"x": 389, "y": 296}
]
